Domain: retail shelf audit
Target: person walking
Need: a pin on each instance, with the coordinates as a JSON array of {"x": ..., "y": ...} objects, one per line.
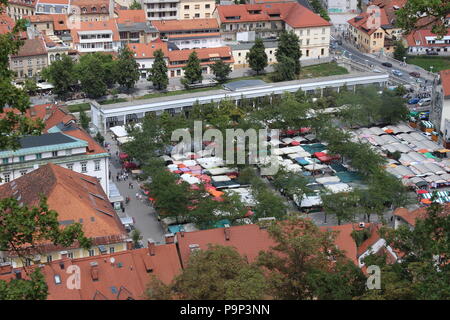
[{"x": 137, "y": 195}]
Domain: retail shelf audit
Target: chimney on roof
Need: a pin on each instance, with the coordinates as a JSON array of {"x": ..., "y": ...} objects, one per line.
[
  {"x": 170, "y": 238},
  {"x": 64, "y": 254},
  {"x": 18, "y": 274},
  {"x": 94, "y": 271},
  {"x": 227, "y": 232},
  {"x": 151, "y": 247},
  {"x": 6, "y": 268},
  {"x": 129, "y": 244},
  {"x": 32, "y": 111}
]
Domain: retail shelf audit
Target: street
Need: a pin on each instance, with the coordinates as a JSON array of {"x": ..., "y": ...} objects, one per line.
[{"x": 141, "y": 210}]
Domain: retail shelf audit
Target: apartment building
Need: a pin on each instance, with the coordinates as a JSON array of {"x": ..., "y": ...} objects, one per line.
[
  {"x": 340, "y": 6},
  {"x": 241, "y": 50},
  {"x": 266, "y": 21},
  {"x": 190, "y": 34},
  {"x": 207, "y": 56},
  {"x": 134, "y": 27},
  {"x": 30, "y": 60},
  {"x": 196, "y": 9},
  {"x": 143, "y": 54},
  {"x": 160, "y": 9},
  {"x": 17, "y": 9},
  {"x": 52, "y": 6},
  {"x": 77, "y": 198},
  {"x": 425, "y": 42},
  {"x": 96, "y": 36},
  {"x": 92, "y": 10},
  {"x": 62, "y": 143}
]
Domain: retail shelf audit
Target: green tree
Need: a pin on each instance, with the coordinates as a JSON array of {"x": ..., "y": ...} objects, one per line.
[
  {"x": 423, "y": 271},
  {"x": 136, "y": 236},
  {"x": 127, "y": 68},
  {"x": 99, "y": 138},
  {"x": 61, "y": 74},
  {"x": 342, "y": 205},
  {"x": 218, "y": 273},
  {"x": 289, "y": 46},
  {"x": 410, "y": 16},
  {"x": 92, "y": 75},
  {"x": 400, "y": 51},
  {"x": 158, "y": 73},
  {"x": 20, "y": 289},
  {"x": 268, "y": 204},
  {"x": 135, "y": 5},
  {"x": 257, "y": 57},
  {"x": 84, "y": 119},
  {"x": 284, "y": 69},
  {"x": 30, "y": 86},
  {"x": 305, "y": 264},
  {"x": 192, "y": 70},
  {"x": 221, "y": 70}
]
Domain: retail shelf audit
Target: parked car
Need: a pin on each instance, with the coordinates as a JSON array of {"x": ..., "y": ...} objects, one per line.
[
  {"x": 397, "y": 73},
  {"x": 424, "y": 102},
  {"x": 387, "y": 64},
  {"x": 432, "y": 53},
  {"x": 377, "y": 70},
  {"x": 419, "y": 80},
  {"x": 414, "y": 74},
  {"x": 414, "y": 101}
]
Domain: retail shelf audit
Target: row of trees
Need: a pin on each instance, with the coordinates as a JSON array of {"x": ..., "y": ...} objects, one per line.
[
  {"x": 94, "y": 74},
  {"x": 288, "y": 56}
]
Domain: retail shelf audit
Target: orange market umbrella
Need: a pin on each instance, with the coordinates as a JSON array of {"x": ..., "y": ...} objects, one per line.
[
  {"x": 389, "y": 131},
  {"x": 426, "y": 201},
  {"x": 423, "y": 150}
]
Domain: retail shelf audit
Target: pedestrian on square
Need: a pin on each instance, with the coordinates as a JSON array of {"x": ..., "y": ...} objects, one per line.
[{"x": 137, "y": 195}]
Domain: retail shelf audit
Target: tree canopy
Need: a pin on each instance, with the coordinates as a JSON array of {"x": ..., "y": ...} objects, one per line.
[
  {"x": 257, "y": 57},
  {"x": 158, "y": 72}
]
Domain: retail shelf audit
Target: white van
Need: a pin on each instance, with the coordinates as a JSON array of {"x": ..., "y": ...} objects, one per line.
[{"x": 424, "y": 102}]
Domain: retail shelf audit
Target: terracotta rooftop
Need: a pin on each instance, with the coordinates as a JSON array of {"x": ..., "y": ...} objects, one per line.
[
  {"x": 62, "y": 2},
  {"x": 96, "y": 26},
  {"x": 185, "y": 25},
  {"x": 6, "y": 23},
  {"x": 363, "y": 21},
  {"x": 25, "y": 3},
  {"x": 410, "y": 216},
  {"x": 131, "y": 16},
  {"x": 292, "y": 13},
  {"x": 146, "y": 50},
  {"x": 74, "y": 196},
  {"x": 445, "y": 80},
  {"x": 92, "y": 6},
  {"x": 418, "y": 38},
  {"x": 250, "y": 239},
  {"x": 181, "y": 56},
  {"x": 32, "y": 47},
  {"x": 125, "y": 278}
]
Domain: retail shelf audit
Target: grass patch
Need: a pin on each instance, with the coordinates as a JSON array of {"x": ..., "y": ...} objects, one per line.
[
  {"x": 322, "y": 70},
  {"x": 177, "y": 92},
  {"x": 76, "y": 107},
  {"x": 111, "y": 101},
  {"x": 425, "y": 62}
]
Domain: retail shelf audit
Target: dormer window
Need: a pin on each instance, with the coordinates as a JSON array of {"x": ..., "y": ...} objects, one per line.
[
  {"x": 103, "y": 9},
  {"x": 84, "y": 10},
  {"x": 94, "y": 9}
]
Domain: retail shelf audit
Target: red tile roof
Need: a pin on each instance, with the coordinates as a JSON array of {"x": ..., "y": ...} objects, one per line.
[
  {"x": 410, "y": 216},
  {"x": 32, "y": 47},
  {"x": 53, "y": 2},
  {"x": 250, "y": 239},
  {"x": 92, "y": 6},
  {"x": 59, "y": 20},
  {"x": 6, "y": 23},
  {"x": 93, "y": 146},
  {"x": 146, "y": 50},
  {"x": 131, "y": 16},
  {"x": 73, "y": 196},
  {"x": 25, "y": 3},
  {"x": 126, "y": 278},
  {"x": 364, "y": 22},
  {"x": 292, "y": 13},
  {"x": 417, "y": 38},
  {"x": 96, "y": 26},
  {"x": 182, "y": 56},
  {"x": 445, "y": 80},
  {"x": 185, "y": 25}
]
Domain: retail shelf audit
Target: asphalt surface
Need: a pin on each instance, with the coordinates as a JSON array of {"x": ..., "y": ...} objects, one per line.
[{"x": 141, "y": 210}]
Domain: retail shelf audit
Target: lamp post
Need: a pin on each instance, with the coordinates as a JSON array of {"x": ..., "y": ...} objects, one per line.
[
  {"x": 404, "y": 61},
  {"x": 431, "y": 69}
]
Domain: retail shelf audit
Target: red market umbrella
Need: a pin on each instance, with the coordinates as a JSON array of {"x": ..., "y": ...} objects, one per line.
[
  {"x": 295, "y": 143},
  {"x": 123, "y": 155},
  {"x": 178, "y": 171},
  {"x": 421, "y": 191},
  {"x": 249, "y": 213}
]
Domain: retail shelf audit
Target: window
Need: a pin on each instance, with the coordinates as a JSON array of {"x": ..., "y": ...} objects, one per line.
[
  {"x": 38, "y": 155},
  {"x": 207, "y": 15},
  {"x": 197, "y": 15},
  {"x": 186, "y": 7},
  {"x": 68, "y": 152},
  {"x": 30, "y": 72},
  {"x": 322, "y": 51},
  {"x": 5, "y": 160},
  {"x": 97, "y": 163},
  {"x": 21, "y": 158},
  {"x": 54, "y": 153},
  {"x": 70, "y": 166},
  {"x": 207, "y": 6},
  {"x": 84, "y": 167},
  {"x": 23, "y": 172},
  {"x": 57, "y": 277},
  {"x": 91, "y": 252},
  {"x": 197, "y": 7},
  {"x": 6, "y": 177},
  {"x": 27, "y": 262},
  {"x": 323, "y": 30},
  {"x": 50, "y": 259},
  {"x": 111, "y": 250},
  {"x": 186, "y": 16},
  {"x": 70, "y": 255}
]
